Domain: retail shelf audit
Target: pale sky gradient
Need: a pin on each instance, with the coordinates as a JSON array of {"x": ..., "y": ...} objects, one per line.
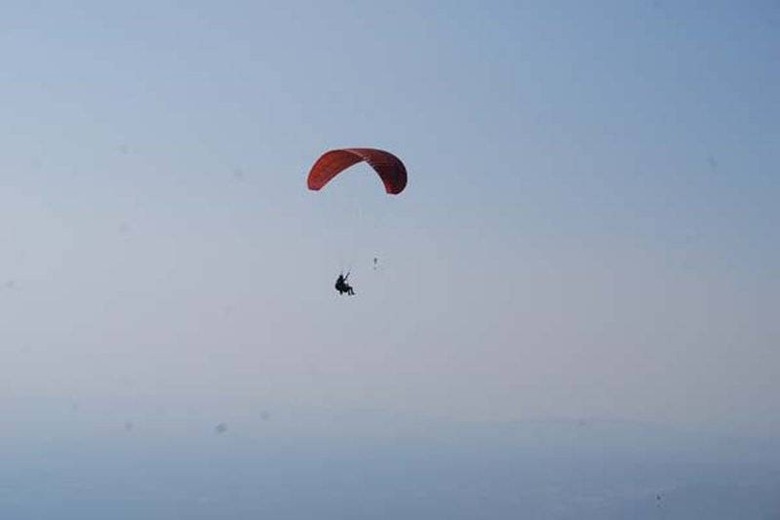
[{"x": 589, "y": 229}]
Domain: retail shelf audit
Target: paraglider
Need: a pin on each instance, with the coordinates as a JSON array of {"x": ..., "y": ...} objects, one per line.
[
  {"x": 342, "y": 286},
  {"x": 389, "y": 167}
]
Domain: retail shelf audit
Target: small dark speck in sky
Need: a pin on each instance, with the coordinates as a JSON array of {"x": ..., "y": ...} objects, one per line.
[
  {"x": 712, "y": 162},
  {"x": 220, "y": 428}
]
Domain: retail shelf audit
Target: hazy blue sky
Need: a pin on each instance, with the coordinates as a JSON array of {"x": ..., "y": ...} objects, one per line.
[{"x": 589, "y": 230}]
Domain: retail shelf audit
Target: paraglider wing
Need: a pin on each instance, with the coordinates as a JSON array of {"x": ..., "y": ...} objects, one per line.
[{"x": 389, "y": 167}]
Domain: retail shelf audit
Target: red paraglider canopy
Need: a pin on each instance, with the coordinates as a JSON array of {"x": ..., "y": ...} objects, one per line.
[{"x": 389, "y": 167}]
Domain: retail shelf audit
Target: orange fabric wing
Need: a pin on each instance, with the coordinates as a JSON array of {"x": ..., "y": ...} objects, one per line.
[{"x": 389, "y": 167}]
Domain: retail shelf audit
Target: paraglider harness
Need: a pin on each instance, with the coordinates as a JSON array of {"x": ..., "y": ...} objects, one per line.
[{"x": 342, "y": 286}]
